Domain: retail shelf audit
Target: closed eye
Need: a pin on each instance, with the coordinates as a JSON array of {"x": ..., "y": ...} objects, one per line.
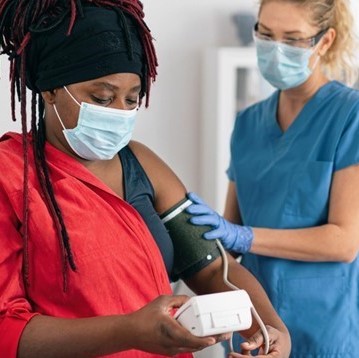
[
  {"x": 291, "y": 39},
  {"x": 264, "y": 36},
  {"x": 101, "y": 101},
  {"x": 132, "y": 102}
]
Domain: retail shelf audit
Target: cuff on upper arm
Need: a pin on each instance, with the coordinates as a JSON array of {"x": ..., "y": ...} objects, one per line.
[{"x": 192, "y": 252}]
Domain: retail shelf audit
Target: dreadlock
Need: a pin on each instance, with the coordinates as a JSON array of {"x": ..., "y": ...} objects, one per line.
[{"x": 19, "y": 21}]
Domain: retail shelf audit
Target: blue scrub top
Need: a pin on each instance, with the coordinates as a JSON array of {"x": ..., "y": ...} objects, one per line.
[{"x": 283, "y": 180}]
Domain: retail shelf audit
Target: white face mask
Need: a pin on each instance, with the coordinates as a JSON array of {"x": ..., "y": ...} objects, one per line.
[{"x": 101, "y": 132}]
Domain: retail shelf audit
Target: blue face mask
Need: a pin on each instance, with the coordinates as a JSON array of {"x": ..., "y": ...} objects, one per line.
[
  {"x": 283, "y": 66},
  {"x": 101, "y": 132}
]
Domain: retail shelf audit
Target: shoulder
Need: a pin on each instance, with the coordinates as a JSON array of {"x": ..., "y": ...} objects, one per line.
[
  {"x": 11, "y": 149},
  {"x": 342, "y": 88},
  {"x": 259, "y": 110},
  {"x": 152, "y": 164},
  {"x": 145, "y": 155},
  {"x": 167, "y": 186},
  {"x": 341, "y": 95},
  {"x": 345, "y": 103},
  {"x": 12, "y": 162},
  {"x": 252, "y": 119},
  {"x": 10, "y": 139}
]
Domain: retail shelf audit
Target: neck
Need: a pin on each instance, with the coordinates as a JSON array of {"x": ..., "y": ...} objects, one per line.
[
  {"x": 292, "y": 101},
  {"x": 301, "y": 94}
]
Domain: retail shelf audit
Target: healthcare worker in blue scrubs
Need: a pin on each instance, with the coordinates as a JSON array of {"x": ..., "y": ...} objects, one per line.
[{"x": 292, "y": 207}]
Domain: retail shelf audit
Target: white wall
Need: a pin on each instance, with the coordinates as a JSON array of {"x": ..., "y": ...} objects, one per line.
[
  {"x": 6, "y": 123},
  {"x": 183, "y": 30}
]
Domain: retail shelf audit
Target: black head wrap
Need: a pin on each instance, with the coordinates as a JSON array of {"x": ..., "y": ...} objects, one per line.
[{"x": 102, "y": 42}]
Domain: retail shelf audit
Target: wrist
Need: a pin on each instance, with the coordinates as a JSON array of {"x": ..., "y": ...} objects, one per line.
[
  {"x": 244, "y": 239},
  {"x": 123, "y": 333}
]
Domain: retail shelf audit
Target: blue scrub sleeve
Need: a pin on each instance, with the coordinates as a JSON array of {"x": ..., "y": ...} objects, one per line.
[
  {"x": 348, "y": 148},
  {"x": 231, "y": 171}
]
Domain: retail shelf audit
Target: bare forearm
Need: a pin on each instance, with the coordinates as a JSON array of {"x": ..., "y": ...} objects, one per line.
[
  {"x": 88, "y": 337},
  {"x": 323, "y": 243},
  {"x": 151, "y": 329}
]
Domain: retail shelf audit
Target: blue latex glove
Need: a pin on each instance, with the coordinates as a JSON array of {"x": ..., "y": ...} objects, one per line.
[{"x": 233, "y": 237}]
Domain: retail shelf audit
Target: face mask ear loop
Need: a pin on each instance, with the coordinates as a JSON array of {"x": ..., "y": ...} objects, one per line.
[
  {"x": 68, "y": 92},
  {"x": 58, "y": 116},
  {"x": 315, "y": 63},
  {"x": 317, "y": 59}
]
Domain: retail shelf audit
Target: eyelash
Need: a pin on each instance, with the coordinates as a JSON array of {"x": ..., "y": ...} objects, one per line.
[
  {"x": 100, "y": 100},
  {"x": 107, "y": 101},
  {"x": 269, "y": 36},
  {"x": 132, "y": 101}
]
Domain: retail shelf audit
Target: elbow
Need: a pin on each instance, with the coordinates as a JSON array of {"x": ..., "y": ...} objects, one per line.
[
  {"x": 346, "y": 247},
  {"x": 348, "y": 254},
  {"x": 349, "y": 257}
]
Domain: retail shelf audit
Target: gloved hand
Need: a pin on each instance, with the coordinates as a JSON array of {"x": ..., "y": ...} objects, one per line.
[{"x": 233, "y": 237}]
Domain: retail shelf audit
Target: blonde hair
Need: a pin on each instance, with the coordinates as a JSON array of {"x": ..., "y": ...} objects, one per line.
[{"x": 339, "y": 63}]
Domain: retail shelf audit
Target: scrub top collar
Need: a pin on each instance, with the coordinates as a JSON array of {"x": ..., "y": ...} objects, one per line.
[{"x": 272, "y": 124}]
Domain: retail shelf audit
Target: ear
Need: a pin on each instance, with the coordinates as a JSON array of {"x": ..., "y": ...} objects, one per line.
[
  {"x": 49, "y": 96},
  {"x": 327, "y": 41}
]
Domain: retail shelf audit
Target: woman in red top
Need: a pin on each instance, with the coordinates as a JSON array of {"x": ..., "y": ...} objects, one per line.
[{"x": 85, "y": 260}]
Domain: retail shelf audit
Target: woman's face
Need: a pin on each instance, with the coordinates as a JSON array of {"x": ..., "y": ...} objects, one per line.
[
  {"x": 292, "y": 24},
  {"x": 120, "y": 91},
  {"x": 285, "y": 21}
]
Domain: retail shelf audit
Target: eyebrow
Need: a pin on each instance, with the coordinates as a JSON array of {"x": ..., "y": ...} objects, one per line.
[
  {"x": 286, "y": 32},
  {"x": 113, "y": 87}
]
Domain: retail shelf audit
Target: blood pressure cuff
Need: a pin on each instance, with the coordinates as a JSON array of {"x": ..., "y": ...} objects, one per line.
[{"x": 191, "y": 251}]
